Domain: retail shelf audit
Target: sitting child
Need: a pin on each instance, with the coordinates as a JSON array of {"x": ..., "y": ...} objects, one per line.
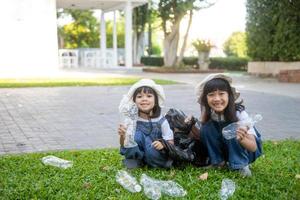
[
  {"x": 218, "y": 109},
  {"x": 151, "y": 127}
]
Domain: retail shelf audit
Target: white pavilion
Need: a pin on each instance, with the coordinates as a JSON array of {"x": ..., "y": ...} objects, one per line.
[{"x": 28, "y": 35}]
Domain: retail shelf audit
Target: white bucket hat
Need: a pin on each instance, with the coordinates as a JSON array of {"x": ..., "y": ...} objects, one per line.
[
  {"x": 200, "y": 86},
  {"x": 128, "y": 98}
]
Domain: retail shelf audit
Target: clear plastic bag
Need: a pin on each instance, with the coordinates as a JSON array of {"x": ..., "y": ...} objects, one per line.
[
  {"x": 229, "y": 131},
  {"x": 129, "y": 115},
  {"x": 57, "y": 162},
  {"x": 227, "y": 189},
  {"x": 128, "y": 181},
  {"x": 169, "y": 188}
]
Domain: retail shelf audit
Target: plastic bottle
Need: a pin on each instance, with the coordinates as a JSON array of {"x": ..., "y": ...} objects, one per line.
[
  {"x": 227, "y": 189},
  {"x": 129, "y": 115},
  {"x": 157, "y": 187},
  {"x": 229, "y": 131},
  {"x": 57, "y": 162},
  {"x": 151, "y": 188},
  {"x": 171, "y": 188},
  {"x": 128, "y": 181}
]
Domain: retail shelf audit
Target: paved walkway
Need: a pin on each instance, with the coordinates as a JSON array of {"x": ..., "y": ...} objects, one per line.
[{"x": 43, "y": 119}]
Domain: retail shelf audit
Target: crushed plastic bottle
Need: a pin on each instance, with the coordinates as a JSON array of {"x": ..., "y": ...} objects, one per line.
[
  {"x": 227, "y": 189},
  {"x": 127, "y": 181},
  {"x": 170, "y": 188},
  {"x": 129, "y": 113},
  {"x": 57, "y": 162},
  {"x": 151, "y": 189},
  {"x": 229, "y": 131}
]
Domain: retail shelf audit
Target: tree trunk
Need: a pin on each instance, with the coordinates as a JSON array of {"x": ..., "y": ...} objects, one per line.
[
  {"x": 171, "y": 45},
  {"x": 179, "y": 60}
]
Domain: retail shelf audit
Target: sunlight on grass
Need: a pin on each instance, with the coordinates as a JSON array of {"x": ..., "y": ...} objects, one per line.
[
  {"x": 17, "y": 83},
  {"x": 93, "y": 176}
]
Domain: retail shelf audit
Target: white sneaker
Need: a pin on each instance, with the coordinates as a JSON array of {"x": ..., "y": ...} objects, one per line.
[{"x": 245, "y": 171}]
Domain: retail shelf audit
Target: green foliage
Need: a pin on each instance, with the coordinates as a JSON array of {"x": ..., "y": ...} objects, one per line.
[
  {"x": 226, "y": 63},
  {"x": 273, "y": 29},
  {"x": 152, "y": 61},
  {"x": 120, "y": 33},
  {"x": 236, "y": 45},
  {"x": 83, "y": 32},
  {"x": 229, "y": 63},
  {"x": 190, "y": 61},
  {"x": 93, "y": 176},
  {"x": 156, "y": 50},
  {"x": 202, "y": 45}
]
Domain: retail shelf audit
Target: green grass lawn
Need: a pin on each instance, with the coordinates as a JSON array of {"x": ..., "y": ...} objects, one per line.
[
  {"x": 56, "y": 82},
  {"x": 93, "y": 176}
]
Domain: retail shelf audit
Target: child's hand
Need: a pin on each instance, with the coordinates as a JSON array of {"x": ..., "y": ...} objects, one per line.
[
  {"x": 188, "y": 120},
  {"x": 122, "y": 131},
  {"x": 157, "y": 145},
  {"x": 241, "y": 133}
]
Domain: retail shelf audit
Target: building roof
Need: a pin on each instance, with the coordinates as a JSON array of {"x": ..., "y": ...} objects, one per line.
[{"x": 106, "y": 5}]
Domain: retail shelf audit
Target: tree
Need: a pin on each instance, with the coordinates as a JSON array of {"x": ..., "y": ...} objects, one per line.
[
  {"x": 140, "y": 16},
  {"x": 171, "y": 14},
  {"x": 83, "y": 32},
  {"x": 235, "y": 45},
  {"x": 120, "y": 33}
]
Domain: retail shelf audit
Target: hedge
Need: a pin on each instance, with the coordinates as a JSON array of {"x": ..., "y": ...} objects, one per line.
[
  {"x": 152, "y": 61},
  {"x": 228, "y": 63},
  {"x": 273, "y": 30}
]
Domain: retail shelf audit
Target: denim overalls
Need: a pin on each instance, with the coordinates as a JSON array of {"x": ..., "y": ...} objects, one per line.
[
  {"x": 219, "y": 149},
  {"x": 146, "y": 133}
]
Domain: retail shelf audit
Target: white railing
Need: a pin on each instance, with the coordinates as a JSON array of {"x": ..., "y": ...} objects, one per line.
[
  {"x": 90, "y": 58},
  {"x": 68, "y": 58}
]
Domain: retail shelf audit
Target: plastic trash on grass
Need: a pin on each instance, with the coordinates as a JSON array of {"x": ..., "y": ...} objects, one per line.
[
  {"x": 129, "y": 113},
  {"x": 227, "y": 189},
  {"x": 57, "y": 162},
  {"x": 128, "y": 182},
  {"x": 229, "y": 131},
  {"x": 153, "y": 188}
]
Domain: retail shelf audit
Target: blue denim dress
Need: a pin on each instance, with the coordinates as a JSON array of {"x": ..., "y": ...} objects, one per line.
[
  {"x": 146, "y": 133},
  {"x": 219, "y": 149}
]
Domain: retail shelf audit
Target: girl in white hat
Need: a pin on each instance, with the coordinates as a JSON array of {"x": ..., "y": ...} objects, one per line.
[
  {"x": 150, "y": 127},
  {"x": 218, "y": 109}
]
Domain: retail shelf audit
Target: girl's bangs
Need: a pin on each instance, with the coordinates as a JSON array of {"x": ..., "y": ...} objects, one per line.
[
  {"x": 145, "y": 89},
  {"x": 216, "y": 84}
]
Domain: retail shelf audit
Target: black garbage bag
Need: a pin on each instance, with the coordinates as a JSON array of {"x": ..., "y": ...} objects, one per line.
[{"x": 187, "y": 145}]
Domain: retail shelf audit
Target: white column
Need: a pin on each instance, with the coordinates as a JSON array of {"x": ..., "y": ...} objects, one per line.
[
  {"x": 128, "y": 34},
  {"x": 115, "y": 46},
  {"x": 103, "y": 40}
]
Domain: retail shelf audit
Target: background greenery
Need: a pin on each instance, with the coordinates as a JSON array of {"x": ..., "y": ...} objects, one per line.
[
  {"x": 236, "y": 45},
  {"x": 93, "y": 176},
  {"x": 273, "y": 29},
  {"x": 226, "y": 63}
]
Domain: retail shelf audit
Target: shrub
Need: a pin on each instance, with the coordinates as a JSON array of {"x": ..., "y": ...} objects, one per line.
[
  {"x": 152, "y": 61},
  {"x": 229, "y": 63},
  {"x": 190, "y": 61},
  {"x": 273, "y": 29}
]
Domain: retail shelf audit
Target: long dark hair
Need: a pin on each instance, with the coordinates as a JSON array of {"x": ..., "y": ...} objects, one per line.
[
  {"x": 230, "y": 111},
  {"x": 148, "y": 90}
]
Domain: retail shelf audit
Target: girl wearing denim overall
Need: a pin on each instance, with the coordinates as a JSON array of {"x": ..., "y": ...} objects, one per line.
[
  {"x": 150, "y": 127},
  {"x": 218, "y": 109}
]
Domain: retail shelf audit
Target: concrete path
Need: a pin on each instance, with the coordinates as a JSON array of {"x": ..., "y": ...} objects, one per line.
[{"x": 43, "y": 119}]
